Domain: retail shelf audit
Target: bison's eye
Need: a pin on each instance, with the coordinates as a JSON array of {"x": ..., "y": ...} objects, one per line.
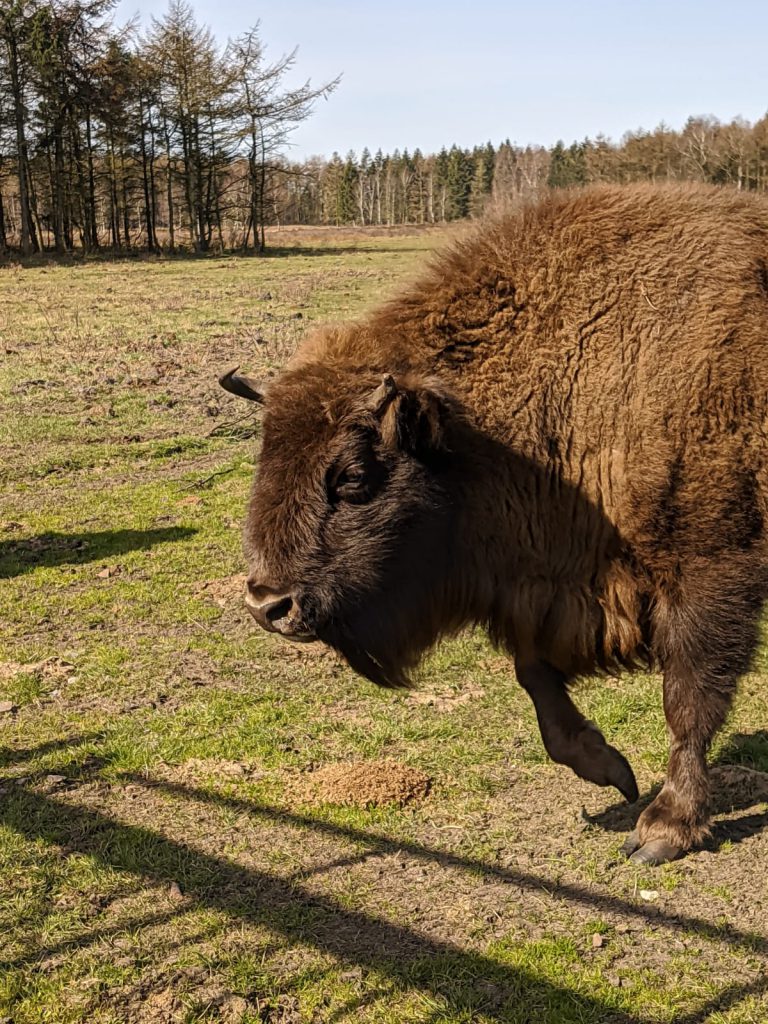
[{"x": 349, "y": 483}]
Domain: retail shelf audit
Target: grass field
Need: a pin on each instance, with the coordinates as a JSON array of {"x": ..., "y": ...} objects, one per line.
[{"x": 161, "y": 856}]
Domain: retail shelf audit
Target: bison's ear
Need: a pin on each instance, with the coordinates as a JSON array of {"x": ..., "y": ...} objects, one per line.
[
  {"x": 412, "y": 415},
  {"x": 243, "y": 387}
]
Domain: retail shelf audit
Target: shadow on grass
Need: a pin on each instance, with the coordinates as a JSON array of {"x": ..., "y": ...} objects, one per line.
[
  {"x": 281, "y": 251},
  {"x": 51, "y": 549},
  {"x": 726, "y": 1000},
  {"x": 95, "y": 936},
  {"x": 17, "y": 755},
  {"x": 377, "y": 845},
  {"x": 746, "y": 748},
  {"x": 465, "y": 981}
]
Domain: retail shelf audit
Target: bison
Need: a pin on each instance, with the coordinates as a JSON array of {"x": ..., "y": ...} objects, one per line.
[{"x": 559, "y": 434}]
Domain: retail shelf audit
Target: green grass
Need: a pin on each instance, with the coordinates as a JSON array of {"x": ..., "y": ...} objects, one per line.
[{"x": 159, "y": 858}]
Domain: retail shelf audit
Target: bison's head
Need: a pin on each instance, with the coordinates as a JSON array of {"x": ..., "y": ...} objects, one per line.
[{"x": 351, "y": 520}]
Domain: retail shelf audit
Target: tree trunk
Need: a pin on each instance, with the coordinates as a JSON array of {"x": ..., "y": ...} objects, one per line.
[
  {"x": 253, "y": 183},
  {"x": 124, "y": 190},
  {"x": 81, "y": 187},
  {"x": 94, "y": 230},
  {"x": 262, "y": 193},
  {"x": 114, "y": 203},
  {"x": 36, "y": 230},
  {"x": 28, "y": 239},
  {"x": 248, "y": 231},
  {"x": 202, "y": 225},
  {"x": 3, "y": 235},
  {"x": 169, "y": 184},
  {"x": 148, "y": 220},
  {"x": 188, "y": 190},
  {"x": 152, "y": 186},
  {"x": 58, "y": 190}
]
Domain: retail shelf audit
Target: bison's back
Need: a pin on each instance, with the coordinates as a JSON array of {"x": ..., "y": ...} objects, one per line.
[{"x": 619, "y": 336}]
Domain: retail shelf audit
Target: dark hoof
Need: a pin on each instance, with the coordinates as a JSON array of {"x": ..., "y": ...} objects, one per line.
[
  {"x": 624, "y": 778},
  {"x": 597, "y": 761},
  {"x": 630, "y": 844},
  {"x": 655, "y": 851}
]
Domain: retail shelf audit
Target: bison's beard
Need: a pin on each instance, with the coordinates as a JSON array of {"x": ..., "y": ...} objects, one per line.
[
  {"x": 401, "y": 607},
  {"x": 376, "y": 657},
  {"x": 385, "y": 636},
  {"x": 379, "y": 668}
]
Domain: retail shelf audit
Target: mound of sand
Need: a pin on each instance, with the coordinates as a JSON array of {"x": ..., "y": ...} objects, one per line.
[{"x": 366, "y": 784}]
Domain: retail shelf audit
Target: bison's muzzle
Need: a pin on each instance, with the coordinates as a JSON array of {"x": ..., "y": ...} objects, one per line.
[{"x": 277, "y": 612}]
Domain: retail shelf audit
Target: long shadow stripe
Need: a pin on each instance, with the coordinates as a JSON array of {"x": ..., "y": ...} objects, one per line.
[
  {"x": 408, "y": 958},
  {"x": 384, "y": 845}
]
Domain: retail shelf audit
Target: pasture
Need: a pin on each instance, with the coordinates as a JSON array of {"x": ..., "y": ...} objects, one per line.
[{"x": 163, "y": 854}]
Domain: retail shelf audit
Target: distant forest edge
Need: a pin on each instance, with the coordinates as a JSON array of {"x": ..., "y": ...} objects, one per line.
[{"x": 111, "y": 138}]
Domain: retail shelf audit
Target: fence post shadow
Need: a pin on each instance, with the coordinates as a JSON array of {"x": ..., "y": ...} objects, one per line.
[{"x": 298, "y": 915}]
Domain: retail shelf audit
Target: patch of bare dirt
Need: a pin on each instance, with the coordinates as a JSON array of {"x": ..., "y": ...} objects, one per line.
[
  {"x": 366, "y": 784},
  {"x": 308, "y": 652},
  {"x": 201, "y": 769},
  {"x": 225, "y": 591},
  {"x": 311, "y": 232},
  {"x": 445, "y": 701},
  {"x": 167, "y": 998},
  {"x": 49, "y": 668},
  {"x": 735, "y": 785}
]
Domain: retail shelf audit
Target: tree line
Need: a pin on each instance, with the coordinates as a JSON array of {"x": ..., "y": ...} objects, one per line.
[
  {"x": 166, "y": 139},
  {"x": 401, "y": 188}
]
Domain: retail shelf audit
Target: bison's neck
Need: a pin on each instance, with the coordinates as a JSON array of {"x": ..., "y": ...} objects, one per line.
[{"x": 539, "y": 563}]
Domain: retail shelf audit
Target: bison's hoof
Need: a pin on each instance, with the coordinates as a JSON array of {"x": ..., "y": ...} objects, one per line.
[
  {"x": 597, "y": 761},
  {"x": 623, "y": 777},
  {"x": 655, "y": 851}
]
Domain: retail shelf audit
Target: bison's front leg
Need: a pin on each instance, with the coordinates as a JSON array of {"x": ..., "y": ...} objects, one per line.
[{"x": 568, "y": 737}]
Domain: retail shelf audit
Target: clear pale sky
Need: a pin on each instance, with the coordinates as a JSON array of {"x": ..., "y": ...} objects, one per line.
[{"x": 429, "y": 74}]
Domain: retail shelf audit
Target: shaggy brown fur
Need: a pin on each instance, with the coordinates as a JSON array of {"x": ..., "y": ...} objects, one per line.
[{"x": 560, "y": 433}]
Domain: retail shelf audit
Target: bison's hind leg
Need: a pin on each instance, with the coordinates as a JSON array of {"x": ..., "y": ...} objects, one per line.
[
  {"x": 706, "y": 639},
  {"x": 568, "y": 737}
]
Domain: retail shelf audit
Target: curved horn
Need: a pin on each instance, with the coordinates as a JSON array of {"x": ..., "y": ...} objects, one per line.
[
  {"x": 243, "y": 387},
  {"x": 383, "y": 395}
]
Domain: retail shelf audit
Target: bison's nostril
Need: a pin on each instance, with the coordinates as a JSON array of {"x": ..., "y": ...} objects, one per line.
[
  {"x": 277, "y": 610},
  {"x": 261, "y": 595},
  {"x": 272, "y": 609}
]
